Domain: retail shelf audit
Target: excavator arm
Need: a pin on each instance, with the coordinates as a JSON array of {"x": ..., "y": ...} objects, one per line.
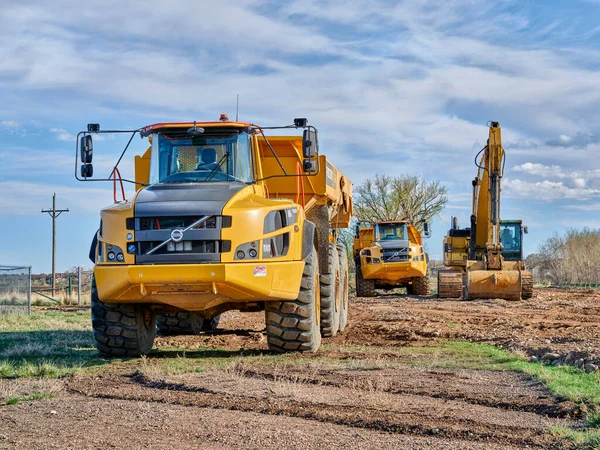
[{"x": 485, "y": 220}]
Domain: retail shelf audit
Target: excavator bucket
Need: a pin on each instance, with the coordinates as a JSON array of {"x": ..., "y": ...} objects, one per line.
[{"x": 505, "y": 284}]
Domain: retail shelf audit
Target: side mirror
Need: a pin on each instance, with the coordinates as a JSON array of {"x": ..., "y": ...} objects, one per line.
[
  {"x": 301, "y": 122},
  {"x": 426, "y": 229},
  {"x": 87, "y": 149},
  {"x": 310, "y": 165},
  {"x": 525, "y": 230},
  {"x": 87, "y": 171},
  {"x": 357, "y": 231},
  {"x": 310, "y": 146}
]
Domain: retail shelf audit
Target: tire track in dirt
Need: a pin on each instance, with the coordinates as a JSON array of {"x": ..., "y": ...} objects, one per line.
[
  {"x": 509, "y": 391},
  {"x": 352, "y": 407}
]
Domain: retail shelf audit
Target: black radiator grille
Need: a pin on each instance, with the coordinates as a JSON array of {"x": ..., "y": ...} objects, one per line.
[
  {"x": 200, "y": 244},
  {"x": 396, "y": 254}
]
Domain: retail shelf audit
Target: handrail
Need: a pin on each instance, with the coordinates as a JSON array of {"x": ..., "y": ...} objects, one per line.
[{"x": 116, "y": 173}]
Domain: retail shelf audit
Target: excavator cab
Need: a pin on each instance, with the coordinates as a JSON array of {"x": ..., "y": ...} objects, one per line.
[{"x": 511, "y": 238}]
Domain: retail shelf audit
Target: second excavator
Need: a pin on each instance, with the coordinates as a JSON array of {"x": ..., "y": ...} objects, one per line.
[{"x": 486, "y": 259}]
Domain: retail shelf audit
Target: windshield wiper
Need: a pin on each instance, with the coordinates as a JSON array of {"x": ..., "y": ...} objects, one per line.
[{"x": 218, "y": 166}]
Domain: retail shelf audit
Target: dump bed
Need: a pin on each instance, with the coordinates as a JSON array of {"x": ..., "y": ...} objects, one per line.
[{"x": 327, "y": 187}]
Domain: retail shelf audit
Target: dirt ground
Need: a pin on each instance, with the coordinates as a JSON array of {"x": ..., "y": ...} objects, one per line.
[
  {"x": 559, "y": 321},
  {"x": 314, "y": 406}
]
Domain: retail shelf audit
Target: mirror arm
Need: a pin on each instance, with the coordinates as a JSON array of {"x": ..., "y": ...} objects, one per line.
[
  {"x": 272, "y": 151},
  {"x": 123, "y": 153}
]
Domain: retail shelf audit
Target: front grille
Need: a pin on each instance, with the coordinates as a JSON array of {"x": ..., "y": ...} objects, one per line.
[
  {"x": 395, "y": 254},
  {"x": 200, "y": 244}
]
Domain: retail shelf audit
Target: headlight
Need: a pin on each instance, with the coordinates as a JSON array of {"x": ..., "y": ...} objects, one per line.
[
  {"x": 114, "y": 253},
  {"x": 248, "y": 249},
  {"x": 131, "y": 249}
]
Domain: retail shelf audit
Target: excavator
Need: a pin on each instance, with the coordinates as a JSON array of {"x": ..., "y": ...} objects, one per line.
[{"x": 486, "y": 259}]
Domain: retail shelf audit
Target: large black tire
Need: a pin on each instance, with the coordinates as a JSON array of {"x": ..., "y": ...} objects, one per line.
[
  {"x": 294, "y": 325},
  {"x": 344, "y": 298},
  {"x": 364, "y": 288},
  {"x": 122, "y": 329},
  {"x": 184, "y": 322},
  {"x": 330, "y": 294},
  {"x": 420, "y": 286}
]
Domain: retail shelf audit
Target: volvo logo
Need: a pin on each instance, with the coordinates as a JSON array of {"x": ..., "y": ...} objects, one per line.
[{"x": 177, "y": 235}]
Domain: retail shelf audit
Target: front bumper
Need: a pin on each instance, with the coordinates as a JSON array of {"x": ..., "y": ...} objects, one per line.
[
  {"x": 197, "y": 287},
  {"x": 394, "y": 272}
]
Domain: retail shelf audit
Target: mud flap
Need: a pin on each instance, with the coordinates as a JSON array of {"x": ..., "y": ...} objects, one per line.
[{"x": 308, "y": 238}]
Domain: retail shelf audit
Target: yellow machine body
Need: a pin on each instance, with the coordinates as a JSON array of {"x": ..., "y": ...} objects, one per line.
[
  {"x": 477, "y": 263},
  {"x": 229, "y": 282}
]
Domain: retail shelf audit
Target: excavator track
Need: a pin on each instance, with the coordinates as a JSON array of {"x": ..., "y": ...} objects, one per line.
[
  {"x": 526, "y": 285},
  {"x": 450, "y": 284}
]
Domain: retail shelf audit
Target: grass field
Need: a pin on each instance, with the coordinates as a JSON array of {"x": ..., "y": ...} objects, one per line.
[{"x": 52, "y": 344}]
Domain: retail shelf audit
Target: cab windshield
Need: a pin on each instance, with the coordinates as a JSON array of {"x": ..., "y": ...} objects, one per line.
[
  {"x": 391, "y": 232},
  {"x": 201, "y": 159},
  {"x": 510, "y": 238}
]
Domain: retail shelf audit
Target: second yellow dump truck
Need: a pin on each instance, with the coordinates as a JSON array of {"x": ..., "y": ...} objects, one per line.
[
  {"x": 223, "y": 218},
  {"x": 389, "y": 255}
]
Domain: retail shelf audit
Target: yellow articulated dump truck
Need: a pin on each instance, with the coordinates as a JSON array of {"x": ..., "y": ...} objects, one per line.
[
  {"x": 223, "y": 218},
  {"x": 486, "y": 259},
  {"x": 389, "y": 255}
]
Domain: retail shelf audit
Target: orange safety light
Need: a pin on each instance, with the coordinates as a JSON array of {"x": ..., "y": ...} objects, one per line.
[{"x": 224, "y": 118}]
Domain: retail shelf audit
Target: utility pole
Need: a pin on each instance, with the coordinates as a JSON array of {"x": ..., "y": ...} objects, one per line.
[{"x": 54, "y": 213}]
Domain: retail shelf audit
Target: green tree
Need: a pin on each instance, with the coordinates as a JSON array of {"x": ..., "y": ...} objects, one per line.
[{"x": 405, "y": 196}]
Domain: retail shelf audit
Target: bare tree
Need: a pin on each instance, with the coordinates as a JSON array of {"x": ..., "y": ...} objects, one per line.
[
  {"x": 571, "y": 258},
  {"x": 395, "y": 198}
]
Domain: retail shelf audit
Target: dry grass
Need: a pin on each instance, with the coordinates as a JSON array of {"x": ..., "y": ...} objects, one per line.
[
  {"x": 17, "y": 297},
  {"x": 25, "y": 388}
]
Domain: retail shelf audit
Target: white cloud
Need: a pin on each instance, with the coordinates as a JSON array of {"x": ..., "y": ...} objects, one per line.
[
  {"x": 63, "y": 135},
  {"x": 577, "y": 178},
  {"x": 548, "y": 191},
  {"x": 540, "y": 170},
  {"x": 13, "y": 127}
]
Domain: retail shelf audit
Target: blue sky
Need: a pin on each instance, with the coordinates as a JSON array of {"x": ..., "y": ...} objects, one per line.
[{"x": 393, "y": 87}]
